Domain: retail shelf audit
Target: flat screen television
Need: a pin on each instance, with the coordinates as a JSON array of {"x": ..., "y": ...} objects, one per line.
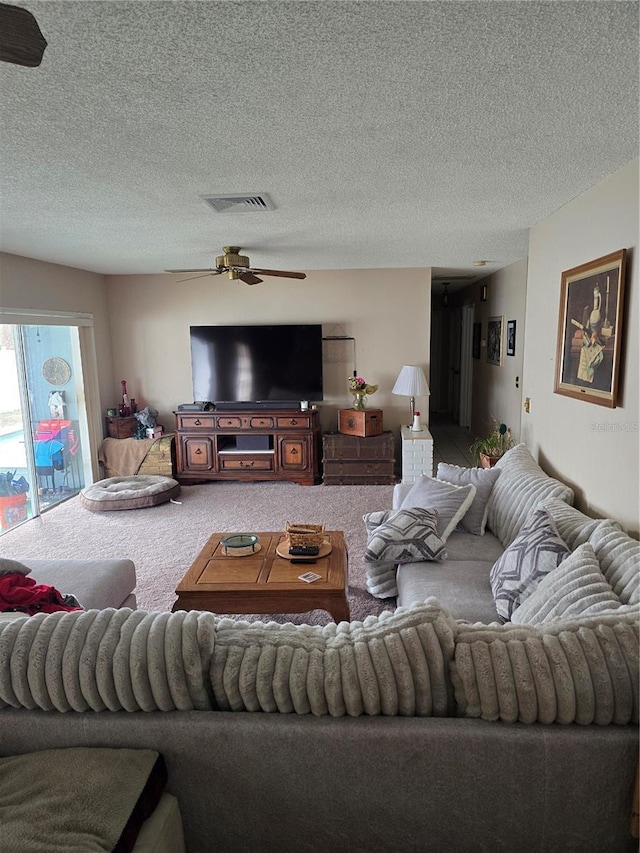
[{"x": 257, "y": 364}]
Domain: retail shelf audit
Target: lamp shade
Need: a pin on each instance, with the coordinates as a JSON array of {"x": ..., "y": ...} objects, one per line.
[{"x": 411, "y": 382}]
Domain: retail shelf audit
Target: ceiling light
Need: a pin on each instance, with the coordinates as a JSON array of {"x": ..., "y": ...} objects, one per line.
[{"x": 480, "y": 263}]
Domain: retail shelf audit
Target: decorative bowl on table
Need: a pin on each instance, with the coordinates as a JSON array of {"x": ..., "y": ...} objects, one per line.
[{"x": 240, "y": 544}]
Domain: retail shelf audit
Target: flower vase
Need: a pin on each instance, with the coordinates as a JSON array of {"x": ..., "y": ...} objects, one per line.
[{"x": 359, "y": 401}]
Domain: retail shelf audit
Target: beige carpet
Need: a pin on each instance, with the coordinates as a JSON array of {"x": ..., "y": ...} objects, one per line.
[{"x": 163, "y": 541}]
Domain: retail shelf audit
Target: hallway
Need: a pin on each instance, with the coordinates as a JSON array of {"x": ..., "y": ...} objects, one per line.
[{"x": 450, "y": 442}]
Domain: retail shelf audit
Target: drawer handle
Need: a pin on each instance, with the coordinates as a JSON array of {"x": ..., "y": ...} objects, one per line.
[
  {"x": 294, "y": 451},
  {"x": 198, "y": 452},
  {"x": 197, "y": 422},
  {"x": 246, "y": 464},
  {"x": 293, "y": 421}
]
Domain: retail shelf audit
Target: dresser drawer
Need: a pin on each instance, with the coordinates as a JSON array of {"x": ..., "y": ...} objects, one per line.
[
  {"x": 294, "y": 422},
  {"x": 197, "y": 420},
  {"x": 245, "y": 462}
]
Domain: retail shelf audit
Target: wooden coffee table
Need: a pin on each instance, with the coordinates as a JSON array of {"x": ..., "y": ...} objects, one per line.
[{"x": 264, "y": 582}]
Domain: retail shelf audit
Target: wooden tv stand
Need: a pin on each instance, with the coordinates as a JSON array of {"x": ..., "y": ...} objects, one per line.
[{"x": 248, "y": 444}]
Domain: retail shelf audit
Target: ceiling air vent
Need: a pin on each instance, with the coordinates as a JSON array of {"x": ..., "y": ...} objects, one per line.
[{"x": 239, "y": 202}]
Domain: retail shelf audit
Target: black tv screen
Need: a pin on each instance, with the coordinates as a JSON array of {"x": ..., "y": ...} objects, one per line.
[{"x": 256, "y": 363}]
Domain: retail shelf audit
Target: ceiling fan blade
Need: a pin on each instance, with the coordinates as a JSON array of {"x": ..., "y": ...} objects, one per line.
[
  {"x": 282, "y": 273},
  {"x": 21, "y": 41},
  {"x": 194, "y": 277},
  {"x": 214, "y": 271},
  {"x": 248, "y": 277}
]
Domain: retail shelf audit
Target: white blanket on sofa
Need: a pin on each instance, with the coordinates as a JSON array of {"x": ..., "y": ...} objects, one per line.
[{"x": 135, "y": 661}]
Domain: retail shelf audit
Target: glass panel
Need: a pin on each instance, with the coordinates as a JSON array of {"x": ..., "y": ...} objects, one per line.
[
  {"x": 42, "y": 397},
  {"x": 53, "y": 376},
  {"x": 15, "y": 467}
]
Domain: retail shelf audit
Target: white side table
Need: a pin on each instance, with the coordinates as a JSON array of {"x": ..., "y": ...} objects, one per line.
[{"x": 417, "y": 454}]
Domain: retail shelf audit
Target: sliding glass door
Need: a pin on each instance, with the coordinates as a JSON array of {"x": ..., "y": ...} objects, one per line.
[{"x": 44, "y": 457}]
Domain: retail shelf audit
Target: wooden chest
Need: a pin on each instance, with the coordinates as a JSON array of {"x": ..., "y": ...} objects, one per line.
[
  {"x": 351, "y": 460},
  {"x": 361, "y": 422},
  {"x": 121, "y": 427}
]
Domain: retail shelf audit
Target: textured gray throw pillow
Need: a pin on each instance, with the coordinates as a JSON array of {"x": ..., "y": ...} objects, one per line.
[
  {"x": 10, "y": 567},
  {"x": 451, "y": 502},
  {"x": 536, "y": 550},
  {"x": 475, "y": 518},
  {"x": 576, "y": 588},
  {"x": 405, "y": 536}
]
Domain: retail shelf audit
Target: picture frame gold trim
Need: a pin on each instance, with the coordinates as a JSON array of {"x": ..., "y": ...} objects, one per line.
[{"x": 591, "y": 329}]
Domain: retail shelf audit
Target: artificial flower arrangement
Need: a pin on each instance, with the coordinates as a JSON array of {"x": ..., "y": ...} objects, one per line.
[{"x": 358, "y": 385}]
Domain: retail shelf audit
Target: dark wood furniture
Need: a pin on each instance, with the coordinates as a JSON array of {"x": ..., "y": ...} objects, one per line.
[
  {"x": 248, "y": 444},
  {"x": 122, "y": 427},
  {"x": 264, "y": 582},
  {"x": 362, "y": 422},
  {"x": 350, "y": 460}
]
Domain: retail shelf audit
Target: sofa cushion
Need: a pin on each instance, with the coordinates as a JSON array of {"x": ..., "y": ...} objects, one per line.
[
  {"x": 521, "y": 486},
  {"x": 619, "y": 558},
  {"x": 96, "y": 583},
  {"x": 405, "y": 535},
  {"x": 452, "y": 502},
  {"x": 392, "y": 664},
  {"x": 10, "y": 567},
  {"x": 574, "y": 526},
  {"x": 396, "y": 536},
  {"x": 68, "y": 800},
  {"x": 475, "y": 518},
  {"x": 461, "y": 587},
  {"x": 535, "y": 551},
  {"x": 575, "y": 671},
  {"x": 463, "y": 546},
  {"x": 576, "y": 587}
]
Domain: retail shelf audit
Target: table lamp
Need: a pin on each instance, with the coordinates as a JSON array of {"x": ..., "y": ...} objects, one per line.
[{"x": 412, "y": 383}]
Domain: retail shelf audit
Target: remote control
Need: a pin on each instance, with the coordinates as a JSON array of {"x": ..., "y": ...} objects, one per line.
[
  {"x": 304, "y": 550},
  {"x": 302, "y": 560}
]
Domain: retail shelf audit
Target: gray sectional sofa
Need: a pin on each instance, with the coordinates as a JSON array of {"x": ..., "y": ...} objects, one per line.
[{"x": 431, "y": 728}]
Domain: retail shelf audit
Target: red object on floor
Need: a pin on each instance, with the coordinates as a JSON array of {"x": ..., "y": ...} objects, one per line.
[{"x": 22, "y": 593}]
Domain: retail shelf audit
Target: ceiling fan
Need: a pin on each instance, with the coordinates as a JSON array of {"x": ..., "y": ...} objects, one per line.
[
  {"x": 237, "y": 267},
  {"x": 21, "y": 41}
]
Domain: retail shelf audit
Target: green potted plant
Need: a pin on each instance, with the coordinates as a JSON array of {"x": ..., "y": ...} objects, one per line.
[{"x": 487, "y": 451}]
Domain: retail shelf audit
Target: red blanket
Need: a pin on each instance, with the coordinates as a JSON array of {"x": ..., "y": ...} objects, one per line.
[{"x": 19, "y": 592}]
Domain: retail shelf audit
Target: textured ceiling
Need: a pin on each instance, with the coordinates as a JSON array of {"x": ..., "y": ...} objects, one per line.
[{"x": 386, "y": 133}]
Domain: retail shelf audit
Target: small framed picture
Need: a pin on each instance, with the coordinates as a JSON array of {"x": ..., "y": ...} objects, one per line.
[
  {"x": 591, "y": 330},
  {"x": 494, "y": 340},
  {"x": 511, "y": 337},
  {"x": 477, "y": 337}
]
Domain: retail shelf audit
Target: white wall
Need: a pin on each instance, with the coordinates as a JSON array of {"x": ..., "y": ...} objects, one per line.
[
  {"x": 386, "y": 310},
  {"x": 593, "y": 448},
  {"x": 496, "y": 394},
  {"x": 31, "y": 284}
]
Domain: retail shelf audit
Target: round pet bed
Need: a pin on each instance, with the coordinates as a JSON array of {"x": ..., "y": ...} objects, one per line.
[{"x": 134, "y": 492}]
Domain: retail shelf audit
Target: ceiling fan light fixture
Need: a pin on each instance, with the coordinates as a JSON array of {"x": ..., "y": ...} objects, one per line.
[{"x": 232, "y": 258}]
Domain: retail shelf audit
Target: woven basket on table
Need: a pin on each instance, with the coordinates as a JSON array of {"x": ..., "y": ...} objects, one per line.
[{"x": 305, "y": 534}]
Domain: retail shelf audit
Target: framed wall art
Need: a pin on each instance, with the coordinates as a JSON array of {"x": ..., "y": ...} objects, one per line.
[
  {"x": 494, "y": 340},
  {"x": 511, "y": 337},
  {"x": 477, "y": 337},
  {"x": 590, "y": 330}
]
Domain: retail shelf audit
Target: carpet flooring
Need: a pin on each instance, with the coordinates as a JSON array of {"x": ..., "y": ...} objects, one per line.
[{"x": 163, "y": 541}]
